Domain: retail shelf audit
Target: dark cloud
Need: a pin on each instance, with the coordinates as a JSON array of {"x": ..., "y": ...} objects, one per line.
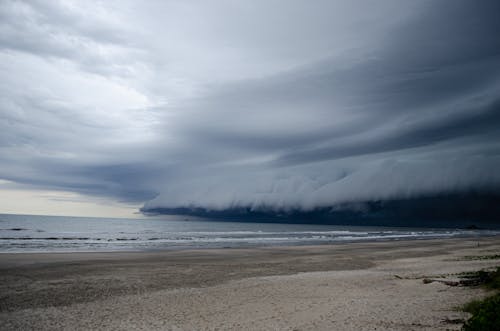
[{"x": 484, "y": 122}]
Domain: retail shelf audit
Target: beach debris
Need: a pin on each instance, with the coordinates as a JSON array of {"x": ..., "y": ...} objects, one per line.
[
  {"x": 461, "y": 282},
  {"x": 448, "y": 320},
  {"x": 443, "y": 281}
]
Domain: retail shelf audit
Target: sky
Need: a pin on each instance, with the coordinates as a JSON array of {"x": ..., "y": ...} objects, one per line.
[{"x": 107, "y": 107}]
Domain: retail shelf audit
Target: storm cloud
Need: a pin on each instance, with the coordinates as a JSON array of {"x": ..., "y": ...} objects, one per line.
[{"x": 281, "y": 105}]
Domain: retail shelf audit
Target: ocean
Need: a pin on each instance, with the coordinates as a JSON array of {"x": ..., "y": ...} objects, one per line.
[{"x": 28, "y": 233}]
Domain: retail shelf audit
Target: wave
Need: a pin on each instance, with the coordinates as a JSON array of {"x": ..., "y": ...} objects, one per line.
[{"x": 259, "y": 236}]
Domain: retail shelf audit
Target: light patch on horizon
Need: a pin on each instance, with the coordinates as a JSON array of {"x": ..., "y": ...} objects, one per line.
[{"x": 18, "y": 200}]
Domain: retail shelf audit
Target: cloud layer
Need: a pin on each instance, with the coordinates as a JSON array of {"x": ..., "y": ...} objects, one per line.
[{"x": 276, "y": 104}]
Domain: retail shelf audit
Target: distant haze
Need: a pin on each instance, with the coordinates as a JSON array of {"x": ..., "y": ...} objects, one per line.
[{"x": 283, "y": 105}]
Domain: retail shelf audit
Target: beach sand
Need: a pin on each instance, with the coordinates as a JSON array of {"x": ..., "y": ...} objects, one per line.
[{"x": 355, "y": 286}]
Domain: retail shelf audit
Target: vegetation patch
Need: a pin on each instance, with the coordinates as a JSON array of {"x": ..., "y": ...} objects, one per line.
[
  {"x": 482, "y": 257},
  {"x": 490, "y": 279},
  {"x": 486, "y": 312}
]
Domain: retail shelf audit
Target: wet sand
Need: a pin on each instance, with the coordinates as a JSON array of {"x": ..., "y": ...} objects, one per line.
[{"x": 355, "y": 286}]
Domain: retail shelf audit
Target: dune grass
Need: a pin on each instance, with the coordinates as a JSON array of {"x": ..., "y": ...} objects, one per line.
[{"x": 486, "y": 312}]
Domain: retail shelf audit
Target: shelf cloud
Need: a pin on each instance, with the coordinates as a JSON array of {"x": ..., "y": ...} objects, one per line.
[{"x": 283, "y": 105}]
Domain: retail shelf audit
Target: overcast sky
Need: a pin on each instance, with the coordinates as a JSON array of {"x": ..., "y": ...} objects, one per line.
[{"x": 106, "y": 106}]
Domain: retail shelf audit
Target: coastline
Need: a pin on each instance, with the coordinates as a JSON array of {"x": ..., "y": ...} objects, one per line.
[
  {"x": 351, "y": 286},
  {"x": 58, "y": 234}
]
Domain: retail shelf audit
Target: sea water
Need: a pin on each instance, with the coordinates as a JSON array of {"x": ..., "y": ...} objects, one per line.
[{"x": 27, "y": 233}]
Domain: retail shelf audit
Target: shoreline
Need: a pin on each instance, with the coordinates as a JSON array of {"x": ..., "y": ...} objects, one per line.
[
  {"x": 9, "y": 259},
  {"x": 56, "y": 290}
]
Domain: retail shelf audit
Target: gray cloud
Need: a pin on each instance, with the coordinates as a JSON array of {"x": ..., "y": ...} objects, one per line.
[
  {"x": 283, "y": 105},
  {"x": 59, "y": 30}
]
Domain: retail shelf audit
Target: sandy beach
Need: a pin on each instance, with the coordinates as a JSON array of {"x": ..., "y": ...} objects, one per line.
[{"x": 355, "y": 286}]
